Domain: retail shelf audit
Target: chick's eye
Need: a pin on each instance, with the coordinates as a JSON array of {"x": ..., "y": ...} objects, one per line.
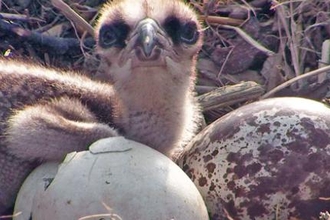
[
  {"x": 181, "y": 32},
  {"x": 107, "y": 37},
  {"x": 113, "y": 35},
  {"x": 189, "y": 33}
]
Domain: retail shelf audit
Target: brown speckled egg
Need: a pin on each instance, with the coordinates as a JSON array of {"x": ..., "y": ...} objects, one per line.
[{"x": 266, "y": 160}]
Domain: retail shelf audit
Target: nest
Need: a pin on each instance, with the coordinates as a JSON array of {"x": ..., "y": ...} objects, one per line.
[{"x": 252, "y": 49}]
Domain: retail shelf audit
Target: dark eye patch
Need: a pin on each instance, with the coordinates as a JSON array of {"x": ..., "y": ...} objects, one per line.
[
  {"x": 113, "y": 35},
  {"x": 181, "y": 32},
  {"x": 189, "y": 33}
]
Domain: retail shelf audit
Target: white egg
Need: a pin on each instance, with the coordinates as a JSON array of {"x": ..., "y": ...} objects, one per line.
[
  {"x": 118, "y": 179},
  {"x": 266, "y": 160},
  {"x": 32, "y": 188}
]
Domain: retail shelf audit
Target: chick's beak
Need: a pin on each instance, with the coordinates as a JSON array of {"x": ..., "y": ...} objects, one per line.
[{"x": 147, "y": 30}]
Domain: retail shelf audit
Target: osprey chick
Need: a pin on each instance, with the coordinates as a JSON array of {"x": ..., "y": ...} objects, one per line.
[{"x": 148, "y": 50}]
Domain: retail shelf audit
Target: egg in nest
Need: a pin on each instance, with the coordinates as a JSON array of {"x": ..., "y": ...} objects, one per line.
[
  {"x": 266, "y": 160},
  {"x": 115, "y": 179}
]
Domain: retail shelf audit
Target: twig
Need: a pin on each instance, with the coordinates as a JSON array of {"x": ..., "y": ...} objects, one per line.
[
  {"x": 9, "y": 16},
  {"x": 295, "y": 79},
  {"x": 10, "y": 216},
  {"x": 295, "y": 38},
  {"x": 249, "y": 7},
  {"x": 70, "y": 14},
  {"x": 225, "y": 62},
  {"x": 290, "y": 34},
  {"x": 204, "y": 89},
  {"x": 250, "y": 40},
  {"x": 229, "y": 95},
  {"x": 54, "y": 45},
  {"x": 222, "y": 20}
]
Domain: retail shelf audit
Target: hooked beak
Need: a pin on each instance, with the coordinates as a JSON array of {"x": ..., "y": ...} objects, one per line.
[
  {"x": 147, "y": 30},
  {"x": 147, "y": 35},
  {"x": 148, "y": 45}
]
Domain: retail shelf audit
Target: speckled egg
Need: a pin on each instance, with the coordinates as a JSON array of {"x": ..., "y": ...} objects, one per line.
[
  {"x": 266, "y": 160},
  {"x": 116, "y": 179}
]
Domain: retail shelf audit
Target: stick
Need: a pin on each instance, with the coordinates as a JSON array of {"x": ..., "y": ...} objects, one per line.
[
  {"x": 295, "y": 79},
  {"x": 229, "y": 95},
  {"x": 73, "y": 16}
]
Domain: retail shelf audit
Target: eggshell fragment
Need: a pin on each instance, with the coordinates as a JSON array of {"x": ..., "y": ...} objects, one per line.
[
  {"x": 266, "y": 160},
  {"x": 38, "y": 181},
  {"x": 119, "y": 179}
]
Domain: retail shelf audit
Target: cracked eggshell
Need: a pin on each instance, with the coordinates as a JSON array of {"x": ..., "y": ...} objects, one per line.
[
  {"x": 32, "y": 188},
  {"x": 266, "y": 160},
  {"x": 119, "y": 179}
]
